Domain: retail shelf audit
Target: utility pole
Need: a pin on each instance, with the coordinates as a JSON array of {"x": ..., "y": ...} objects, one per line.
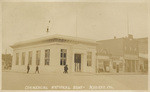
[
  {"x": 76, "y": 20},
  {"x": 127, "y": 23}
]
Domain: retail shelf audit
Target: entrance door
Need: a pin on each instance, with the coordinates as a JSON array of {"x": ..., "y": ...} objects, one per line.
[
  {"x": 133, "y": 66},
  {"x": 77, "y": 61}
]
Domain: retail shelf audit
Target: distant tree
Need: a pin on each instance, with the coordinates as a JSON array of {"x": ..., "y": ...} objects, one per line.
[{"x": 7, "y": 61}]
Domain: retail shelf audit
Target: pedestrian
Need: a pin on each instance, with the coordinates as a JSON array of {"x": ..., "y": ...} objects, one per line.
[
  {"x": 66, "y": 69},
  {"x": 37, "y": 69},
  {"x": 117, "y": 68},
  {"x": 141, "y": 68},
  {"x": 28, "y": 68}
]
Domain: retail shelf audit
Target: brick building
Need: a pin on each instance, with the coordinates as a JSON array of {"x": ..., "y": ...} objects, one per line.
[
  {"x": 103, "y": 63},
  {"x": 143, "y": 54},
  {"x": 123, "y": 53}
]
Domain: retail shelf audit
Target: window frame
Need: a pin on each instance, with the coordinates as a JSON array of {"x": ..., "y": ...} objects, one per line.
[
  {"x": 63, "y": 56},
  {"x": 47, "y": 57},
  {"x": 38, "y": 57}
]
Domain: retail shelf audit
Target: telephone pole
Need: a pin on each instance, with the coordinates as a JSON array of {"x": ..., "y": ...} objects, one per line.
[
  {"x": 127, "y": 23},
  {"x": 76, "y": 21}
]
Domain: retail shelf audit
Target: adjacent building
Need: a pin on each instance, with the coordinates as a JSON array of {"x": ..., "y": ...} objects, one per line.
[
  {"x": 6, "y": 61},
  {"x": 123, "y": 53},
  {"x": 103, "y": 62},
  {"x": 143, "y": 54}
]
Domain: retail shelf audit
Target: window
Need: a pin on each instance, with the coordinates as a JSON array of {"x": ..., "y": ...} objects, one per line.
[
  {"x": 17, "y": 58},
  {"x": 23, "y": 58},
  {"x": 63, "y": 57},
  {"x": 89, "y": 58},
  {"x": 47, "y": 56},
  {"x": 114, "y": 65},
  {"x": 30, "y": 58},
  {"x": 38, "y": 57}
]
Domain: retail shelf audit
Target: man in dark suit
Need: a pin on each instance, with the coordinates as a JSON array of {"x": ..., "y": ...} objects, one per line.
[
  {"x": 37, "y": 69},
  {"x": 28, "y": 68}
]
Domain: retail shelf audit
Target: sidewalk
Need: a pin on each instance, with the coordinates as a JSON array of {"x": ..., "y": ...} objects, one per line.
[
  {"x": 84, "y": 73},
  {"x": 123, "y": 73}
]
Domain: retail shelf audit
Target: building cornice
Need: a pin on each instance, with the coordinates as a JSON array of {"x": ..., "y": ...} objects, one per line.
[{"x": 55, "y": 38}]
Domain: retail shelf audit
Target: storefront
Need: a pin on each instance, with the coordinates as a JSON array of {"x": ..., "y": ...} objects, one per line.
[
  {"x": 117, "y": 64},
  {"x": 131, "y": 63},
  {"x": 103, "y": 65}
]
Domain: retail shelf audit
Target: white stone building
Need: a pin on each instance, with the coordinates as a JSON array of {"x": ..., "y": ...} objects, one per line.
[{"x": 51, "y": 53}]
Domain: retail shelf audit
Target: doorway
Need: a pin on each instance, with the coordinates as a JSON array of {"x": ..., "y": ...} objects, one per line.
[{"x": 77, "y": 61}]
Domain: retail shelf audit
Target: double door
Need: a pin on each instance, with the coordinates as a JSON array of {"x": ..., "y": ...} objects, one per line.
[{"x": 77, "y": 62}]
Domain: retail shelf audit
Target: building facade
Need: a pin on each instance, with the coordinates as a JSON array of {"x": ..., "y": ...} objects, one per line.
[
  {"x": 6, "y": 61},
  {"x": 143, "y": 54},
  {"x": 103, "y": 63},
  {"x": 52, "y": 53},
  {"x": 123, "y": 53}
]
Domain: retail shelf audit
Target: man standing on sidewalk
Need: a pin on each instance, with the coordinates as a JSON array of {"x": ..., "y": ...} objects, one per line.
[
  {"x": 28, "y": 68},
  {"x": 117, "y": 68},
  {"x": 37, "y": 69},
  {"x": 66, "y": 69}
]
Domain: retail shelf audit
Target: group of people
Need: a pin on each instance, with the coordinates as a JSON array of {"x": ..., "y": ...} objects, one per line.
[{"x": 37, "y": 69}]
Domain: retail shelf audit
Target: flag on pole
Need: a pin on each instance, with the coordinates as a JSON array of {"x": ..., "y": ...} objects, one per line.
[{"x": 47, "y": 29}]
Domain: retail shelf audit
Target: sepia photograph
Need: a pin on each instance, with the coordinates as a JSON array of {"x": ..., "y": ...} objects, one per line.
[{"x": 74, "y": 45}]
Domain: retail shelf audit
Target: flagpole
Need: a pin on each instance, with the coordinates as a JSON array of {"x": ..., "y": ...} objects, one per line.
[{"x": 48, "y": 27}]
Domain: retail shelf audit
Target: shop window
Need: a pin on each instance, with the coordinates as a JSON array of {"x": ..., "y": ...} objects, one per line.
[{"x": 114, "y": 65}]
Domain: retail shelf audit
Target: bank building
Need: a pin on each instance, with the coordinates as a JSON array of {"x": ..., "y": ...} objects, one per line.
[{"x": 52, "y": 52}]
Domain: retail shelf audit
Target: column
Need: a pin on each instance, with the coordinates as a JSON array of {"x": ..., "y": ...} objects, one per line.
[
  {"x": 20, "y": 58},
  {"x": 73, "y": 65},
  {"x": 84, "y": 62},
  {"x": 14, "y": 59},
  {"x": 26, "y": 57},
  {"x": 42, "y": 58},
  {"x": 135, "y": 65},
  {"x": 34, "y": 58},
  {"x": 94, "y": 61},
  {"x": 69, "y": 59}
]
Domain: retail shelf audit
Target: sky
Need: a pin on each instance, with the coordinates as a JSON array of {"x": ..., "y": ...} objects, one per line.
[{"x": 97, "y": 21}]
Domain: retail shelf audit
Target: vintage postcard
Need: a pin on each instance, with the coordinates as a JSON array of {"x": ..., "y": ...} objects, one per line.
[{"x": 74, "y": 45}]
